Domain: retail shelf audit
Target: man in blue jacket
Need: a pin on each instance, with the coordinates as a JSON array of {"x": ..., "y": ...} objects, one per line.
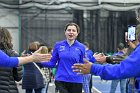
[
  {"x": 87, "y": 79},
  {"x": 127, "y": 68}
]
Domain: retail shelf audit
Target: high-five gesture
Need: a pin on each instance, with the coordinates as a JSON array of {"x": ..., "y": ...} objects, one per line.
[
  {"x": 101, "y": 58},
  {"x": 82, "y": 68},
  {"x": 35, "y": 57}
]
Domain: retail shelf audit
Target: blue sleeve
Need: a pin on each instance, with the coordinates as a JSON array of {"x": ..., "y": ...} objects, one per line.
[
  {"x": 54, "y": 59},
  {"x": 82, "y": 54},
  {"x": 129, "y": 67},
  {"x": 7, "y": 61},
  {"x": 90, "y": 57}
]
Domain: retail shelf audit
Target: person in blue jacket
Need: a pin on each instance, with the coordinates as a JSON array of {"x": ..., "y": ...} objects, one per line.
[
  {"x": 87, "y": 79},
  {"x": 65, "y": 54},
  {"x": 114, "y": 83},
  {"x": 6, "y": 61},
  {"x": 127, "y": 68}
]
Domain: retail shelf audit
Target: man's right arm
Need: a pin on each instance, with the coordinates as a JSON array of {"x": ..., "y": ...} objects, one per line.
[{"x": 127, "y": 68}]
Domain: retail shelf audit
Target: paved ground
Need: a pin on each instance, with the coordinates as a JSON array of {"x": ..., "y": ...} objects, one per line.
[
  {"x": 99, "y": 86},
  {"x": 102, "y": 86}
]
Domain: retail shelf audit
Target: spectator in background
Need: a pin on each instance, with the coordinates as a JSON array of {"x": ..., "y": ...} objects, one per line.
[
  {"x": 114, "y": 83},
  {"x": 65, "y": 54},
  {"x": 87, "y": 79},
  {"x": 8, "y": 75},
  {"x": 50, "y": 50},
  {"x": 52, "y": 70},
  {"x": 45, "y": 71},
  {"x": 32, "y": 78}
]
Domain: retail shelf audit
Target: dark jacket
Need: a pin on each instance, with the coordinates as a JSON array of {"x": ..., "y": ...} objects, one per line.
[
  {"x": 8, "y": 76},
  {"x": 115, "y": 59},
  {"x": 32, "y": 78},
  {"x": 118, "y": 58}
]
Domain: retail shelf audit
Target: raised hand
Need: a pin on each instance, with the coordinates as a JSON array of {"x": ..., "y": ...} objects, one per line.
[
  {"x": 100, "y": 58},
  {"x": 41, "y": 57},
  {"x": 37, "y": 57},
  {"x": 132, "y": 44},
  {"x": 82, "y": 68}
]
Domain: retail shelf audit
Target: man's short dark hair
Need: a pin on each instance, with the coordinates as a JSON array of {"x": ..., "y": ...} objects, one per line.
[{"x": 121, "y": 46}]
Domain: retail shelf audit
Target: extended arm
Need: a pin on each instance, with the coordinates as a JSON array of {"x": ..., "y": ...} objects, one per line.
[
  {"x": 7, "y": 61},
  {"x": 127, "y": 68}
]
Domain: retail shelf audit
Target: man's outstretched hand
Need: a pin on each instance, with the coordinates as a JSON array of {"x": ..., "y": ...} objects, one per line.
[{"x": 82, "y": 68}]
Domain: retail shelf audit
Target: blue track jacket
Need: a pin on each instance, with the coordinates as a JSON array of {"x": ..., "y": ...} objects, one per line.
[
  {"x": 6, "y": 61},
  {"x": 89, "y": 56},
  {"x": 64, "y": 56},
  {"x": 129, "y": 67}
]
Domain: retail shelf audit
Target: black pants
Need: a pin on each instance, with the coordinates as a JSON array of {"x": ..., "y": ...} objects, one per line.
[
  {"x": 67, "y": 87},
  {"x": 36, "y": 90},
  {"x": 90, "y": 84}
]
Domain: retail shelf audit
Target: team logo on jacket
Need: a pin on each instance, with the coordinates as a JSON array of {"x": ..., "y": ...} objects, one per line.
[
  {"x": 62, "y": 48},
  {"x": 77, "y": 49}
]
